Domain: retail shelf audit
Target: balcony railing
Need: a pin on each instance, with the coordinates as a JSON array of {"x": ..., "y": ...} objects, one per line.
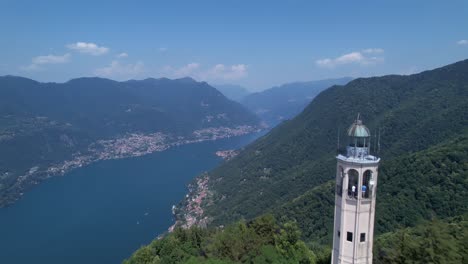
[
  {"x": 357, "y": 152},
  {"x": 364, "y": 194}
]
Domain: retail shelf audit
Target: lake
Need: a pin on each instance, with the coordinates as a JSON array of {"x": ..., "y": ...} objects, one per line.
[{"x": 103, "y": 212}]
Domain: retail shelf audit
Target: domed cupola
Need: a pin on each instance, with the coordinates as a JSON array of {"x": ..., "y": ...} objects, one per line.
[
  {"x": 359, "y": 140},
  {"x": 357, "y": 129}
]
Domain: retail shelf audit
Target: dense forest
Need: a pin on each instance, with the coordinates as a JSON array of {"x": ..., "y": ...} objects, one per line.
[
  {"x": 412, "y": 188},
  {"x": 266, "y": 240},
  {"x": 262, "y": 240},
  {"x": 430, "y": 242}
]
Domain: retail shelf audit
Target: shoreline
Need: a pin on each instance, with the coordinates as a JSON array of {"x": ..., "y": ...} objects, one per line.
[
  {"x": 132, "y": 145},
  {"x": 189, "y": 211}
]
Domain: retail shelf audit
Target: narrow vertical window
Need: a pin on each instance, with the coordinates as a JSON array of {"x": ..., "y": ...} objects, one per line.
[
  {"x": 353, "y": 177},
  {"x": 338, "y": 233},
  {"x": 363, "y": 237},
  {"x": 339, "y": 185},
  {"x": 349, "y": 236},
  {"x": 366, "y": 190}
]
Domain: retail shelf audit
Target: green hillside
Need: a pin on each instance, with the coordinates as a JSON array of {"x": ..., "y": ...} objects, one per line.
[
  {"x": 412, "y": 112},
  {"x": 265, "y": 240},
  {"x": 262, "y": 240},
  {"x": 412, "y": 188},
  {"x": 430, "y": 242}
]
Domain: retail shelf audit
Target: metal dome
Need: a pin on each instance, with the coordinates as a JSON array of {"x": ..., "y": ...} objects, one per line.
[{"x": 357, "y": 129}]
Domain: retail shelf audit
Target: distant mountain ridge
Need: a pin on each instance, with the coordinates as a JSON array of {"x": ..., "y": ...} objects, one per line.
[
  {"x": 48, "y": 128},
  {"x": 283, "y": 102},
  {"x": 233, "y": 92}
]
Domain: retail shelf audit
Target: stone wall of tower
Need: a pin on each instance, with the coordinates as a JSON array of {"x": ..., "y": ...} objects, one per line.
[{"x": 353, "y": 213}]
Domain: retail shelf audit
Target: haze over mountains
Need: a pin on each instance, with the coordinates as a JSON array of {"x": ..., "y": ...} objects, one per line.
[
  {"x": 284, "y": 102},
  {"x": 49, "y": 128},
  {"x": 232, "y": 91},
  {"x": 279, "y": 103}
]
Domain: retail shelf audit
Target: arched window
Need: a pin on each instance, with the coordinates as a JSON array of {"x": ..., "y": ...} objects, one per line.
[
  {"x": 339, "y": 183},
  {"x": 353, "y": 177},
  {"x": 366, "y": 188}
]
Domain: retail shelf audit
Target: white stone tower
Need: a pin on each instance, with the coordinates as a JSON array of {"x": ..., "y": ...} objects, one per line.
[{"x": 356, "y": 185}]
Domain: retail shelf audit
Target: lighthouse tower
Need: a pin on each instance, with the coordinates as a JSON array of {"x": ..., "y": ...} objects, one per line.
[{"x": 356, "y": 186}]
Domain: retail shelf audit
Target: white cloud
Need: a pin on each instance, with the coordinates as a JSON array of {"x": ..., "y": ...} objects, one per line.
[
  {"x": 462, "y": 42},
  {"x": 373, "y": 51},
  {"x": 187, "y": 70},
  {"x": 121, "y": 71},
  {"x": 217, "y": 72},
  {"x": 364, "y": 57},
  {"x": 51, "y": 59},
  {"x": 88, "y": 48},
  {"x": 122, "y": 55},
  {"x": 31, "y": 67},
  {"x": 36, "y": 62},
  {"x": 162, "y": 49},
  {"x": 222, "y": 72}
]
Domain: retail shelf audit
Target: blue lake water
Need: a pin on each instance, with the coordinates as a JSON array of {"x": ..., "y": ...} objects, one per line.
[{"x": 103, "y": 212}]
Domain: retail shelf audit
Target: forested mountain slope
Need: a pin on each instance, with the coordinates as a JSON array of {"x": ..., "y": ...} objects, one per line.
[
  {"x": 412, "y": 112},
  {"x": 412, "y": 188}
]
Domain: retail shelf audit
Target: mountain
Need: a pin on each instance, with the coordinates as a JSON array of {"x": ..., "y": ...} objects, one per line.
[
  {"x": 50, "y": 128},
  {"x": 280, "y": 103},
  {"x": 233, "y": 92},
  {"x": 423, "y": 123}
]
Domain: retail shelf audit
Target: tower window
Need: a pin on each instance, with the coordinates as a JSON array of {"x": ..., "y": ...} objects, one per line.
[
  {"x": 363, "y": 237},
  {"x": 349, "y": 236},
  {"x": 366, "y": 184},
  {"x": 338, "y": 233},
  {"x": 353, "y": 177},
  {"x": 339, "y": 184}
]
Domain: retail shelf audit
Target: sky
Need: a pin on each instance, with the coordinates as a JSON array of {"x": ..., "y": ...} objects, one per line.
[{"x": 256, "y": 44}]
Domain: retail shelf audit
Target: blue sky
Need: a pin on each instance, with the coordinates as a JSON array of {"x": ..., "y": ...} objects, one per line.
[{"x": 257, "y": 44}]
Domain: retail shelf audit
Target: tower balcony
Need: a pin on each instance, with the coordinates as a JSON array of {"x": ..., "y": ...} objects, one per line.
[{"x": 357, "y": 152}]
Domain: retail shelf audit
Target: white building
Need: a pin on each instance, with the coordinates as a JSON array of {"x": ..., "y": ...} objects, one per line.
[{"x": 356, "y": 185}]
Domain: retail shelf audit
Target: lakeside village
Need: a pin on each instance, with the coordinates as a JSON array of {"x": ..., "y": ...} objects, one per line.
[
  {"x": 190, "y": 211},
  {"x": 132, "y": 145},
  {"x": 227, "y": 154}
]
